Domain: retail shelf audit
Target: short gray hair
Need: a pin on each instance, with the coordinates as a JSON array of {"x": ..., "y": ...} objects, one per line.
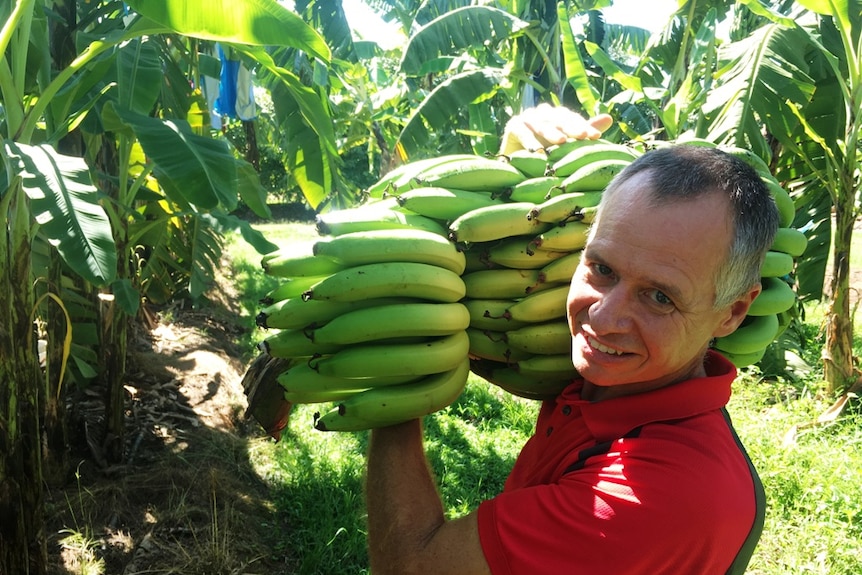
[{"x": 685, "y": 172}]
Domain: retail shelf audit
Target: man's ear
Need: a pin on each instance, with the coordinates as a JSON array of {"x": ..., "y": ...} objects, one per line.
[{"x": 737, "y": 311}]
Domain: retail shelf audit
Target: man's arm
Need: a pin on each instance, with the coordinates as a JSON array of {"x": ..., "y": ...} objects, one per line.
[{"x": 407, "y": 530}]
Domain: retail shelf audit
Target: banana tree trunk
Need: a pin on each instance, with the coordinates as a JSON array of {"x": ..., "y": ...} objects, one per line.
[
  {"x": 55, "y": 441},
  {"x": 838, "y": 351},
  {"x": 114, "y": 336},
  {"x": 23, "y": 546}
]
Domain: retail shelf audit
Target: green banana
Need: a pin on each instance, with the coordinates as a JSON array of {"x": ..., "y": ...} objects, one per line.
[
  {"x": 565, "y": 207},
  {"x": 378, "y": 215},
  {"x": 776, "y": 264},
  {"x": 749, "y": 157},
  {"x": 388, "y": 359},
  {"x": 517, "y": 253},
  {"x": 477, "y": 259},
  {"x": 548, "y": 366},
  {"x": 403, "y": 177},
  {"x": 492, "y": 223},
  {"x": 287, "y": 266},
  {"x": 290, "y": 288},
  {"x": 588, "y": 215},
  {"x": 490, "y": 314},
  {"x": 389, "y": 279},
  {"x": 489, "y": 344},
  {"x": 477, "y": 174},
  {"x": 783, "y": 201},
  {"x": 558, "y": 152},
  {"x": 561, "y": 270},
  {"x": 303, "y": 379},
  {"x": 775, "y": 297},
  {"x": 593, "y": 177},
  {"x": 586, "y": 155},
  {"x": 296, "y": 313},
  {"x": 393, "y": 321},
  {"x": 507, "y": 378},
  {"x": 790, "y": 241},
  {"x": 400, "y": 245},
  {"x": 549, "y": 338},
  {"x": 444, "y": 203},
  {"x": 318, "y": 396},
  {"x": 754, "y": 334},
  {"x": 536, "y": 190},
  {"x": 741, "y": 360},
  {"x": 566, "y": 237},
  {"x": 691, "y": 140},
  {"x": 530, "y": 163},
  {"x": 541, "y": 306},
  {"x": 293, "y": 343},
  {"x": 500, "y": 283},
  {"x": 380, "y": 407}
]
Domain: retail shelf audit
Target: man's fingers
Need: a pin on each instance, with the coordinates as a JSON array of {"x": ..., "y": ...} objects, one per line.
[
  {"x": 601, "y": 122},
  {"x": 547, "y": 125}
]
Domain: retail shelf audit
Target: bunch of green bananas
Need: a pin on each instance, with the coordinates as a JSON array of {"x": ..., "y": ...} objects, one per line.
[
  {"x": 372, "y": 319},
  {"x": 462, "y": 263},
  {"x": 521, "y": 254},
  {"x": 773, "y": 310}
]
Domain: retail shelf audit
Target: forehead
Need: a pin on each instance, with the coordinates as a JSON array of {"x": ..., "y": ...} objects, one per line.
[{"x": 675, "y": 242}]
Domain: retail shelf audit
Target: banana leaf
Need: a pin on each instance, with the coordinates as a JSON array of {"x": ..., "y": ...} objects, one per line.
[
  {"x": 441, "y": 106},
  {"x": 249, "y": 22},
  {"x": 759, "y": 79},
  {"x": 65, "y": 203},
  {"x": 455, "y": 31}
]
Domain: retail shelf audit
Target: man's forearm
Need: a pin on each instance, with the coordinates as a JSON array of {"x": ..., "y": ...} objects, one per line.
[{"x": 404, "y": 508}]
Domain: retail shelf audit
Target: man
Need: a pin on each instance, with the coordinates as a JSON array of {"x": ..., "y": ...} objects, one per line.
[{"x": 634, "y": 469}]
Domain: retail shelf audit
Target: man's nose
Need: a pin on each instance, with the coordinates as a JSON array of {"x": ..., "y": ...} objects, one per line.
[{"x": 611, "y": 312}]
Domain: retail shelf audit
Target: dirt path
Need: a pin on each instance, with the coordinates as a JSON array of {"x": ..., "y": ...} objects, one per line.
[{"x": 187, "y": 499}]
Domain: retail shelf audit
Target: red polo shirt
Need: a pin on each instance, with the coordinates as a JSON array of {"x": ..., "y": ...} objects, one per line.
[{"x": 676, "y": 496}]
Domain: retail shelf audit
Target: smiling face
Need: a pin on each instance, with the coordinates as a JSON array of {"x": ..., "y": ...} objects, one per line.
[{"x": 640, "y": 305}]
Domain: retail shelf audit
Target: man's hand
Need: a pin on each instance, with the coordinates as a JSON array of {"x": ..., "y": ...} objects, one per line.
[{"x": 547, "y": 125}]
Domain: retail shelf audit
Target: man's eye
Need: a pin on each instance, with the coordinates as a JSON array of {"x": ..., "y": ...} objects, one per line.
[
  {"x": 602, "y": 269},
  {"x": 661, "y": 298}
]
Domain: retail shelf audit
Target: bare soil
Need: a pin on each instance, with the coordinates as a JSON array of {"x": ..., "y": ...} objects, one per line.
[{"x": 187, "y": 499}]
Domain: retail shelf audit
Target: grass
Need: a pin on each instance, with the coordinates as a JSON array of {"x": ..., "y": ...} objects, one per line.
[{"x": 811, "y": 476}]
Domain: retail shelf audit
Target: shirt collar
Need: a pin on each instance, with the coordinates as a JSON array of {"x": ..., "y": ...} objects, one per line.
[{"x": 613, "y": 418}]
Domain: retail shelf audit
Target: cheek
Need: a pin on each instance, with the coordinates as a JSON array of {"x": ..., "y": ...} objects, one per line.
[{"x": 578, "y": 297}]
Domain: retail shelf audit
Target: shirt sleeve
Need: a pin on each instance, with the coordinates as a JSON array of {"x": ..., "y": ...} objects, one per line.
[{"x": 621, "y": 514}]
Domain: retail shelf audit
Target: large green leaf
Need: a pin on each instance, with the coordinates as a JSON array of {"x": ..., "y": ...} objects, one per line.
[
  {"x": 206, "y": 249},
  {"x": 194, "y": 169},
  {"x": 64, "y": 201},
  {"x": 444, "y": 102},
  {"x": 457, "y": 30},
  {"x": 576, "y": 72},
  {"x": 139, "y": 76},
  {"x": 250, "y": 22},
  {"x": 816, "y": 221},
  {"x": 759, "y": 78},
  {"x": 310, "y": 103}
]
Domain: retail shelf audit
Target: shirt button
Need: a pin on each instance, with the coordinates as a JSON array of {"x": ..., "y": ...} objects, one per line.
[
  {"x": 549, "y": 431},
  {"x": 567, "y": 409}
]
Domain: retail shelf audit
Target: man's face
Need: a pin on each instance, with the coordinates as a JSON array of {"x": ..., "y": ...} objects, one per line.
[{"x": 640, "y": 306}]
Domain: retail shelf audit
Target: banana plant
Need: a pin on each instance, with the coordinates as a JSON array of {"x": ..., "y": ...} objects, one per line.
[{"x": 85, "y": 213}]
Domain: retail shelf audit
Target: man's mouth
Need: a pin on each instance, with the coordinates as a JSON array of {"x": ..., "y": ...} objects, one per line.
[{"x": 603, "y": 348}]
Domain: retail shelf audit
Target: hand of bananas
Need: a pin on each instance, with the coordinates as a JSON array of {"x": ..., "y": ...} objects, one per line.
[{"x": 461, "y": 263}]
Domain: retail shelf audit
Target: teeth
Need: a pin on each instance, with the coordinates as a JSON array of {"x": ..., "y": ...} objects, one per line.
[{"x": 603, "y": 348}]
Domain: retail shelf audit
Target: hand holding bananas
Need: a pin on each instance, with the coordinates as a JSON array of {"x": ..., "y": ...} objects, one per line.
[{"x": 545, "y": 125}]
